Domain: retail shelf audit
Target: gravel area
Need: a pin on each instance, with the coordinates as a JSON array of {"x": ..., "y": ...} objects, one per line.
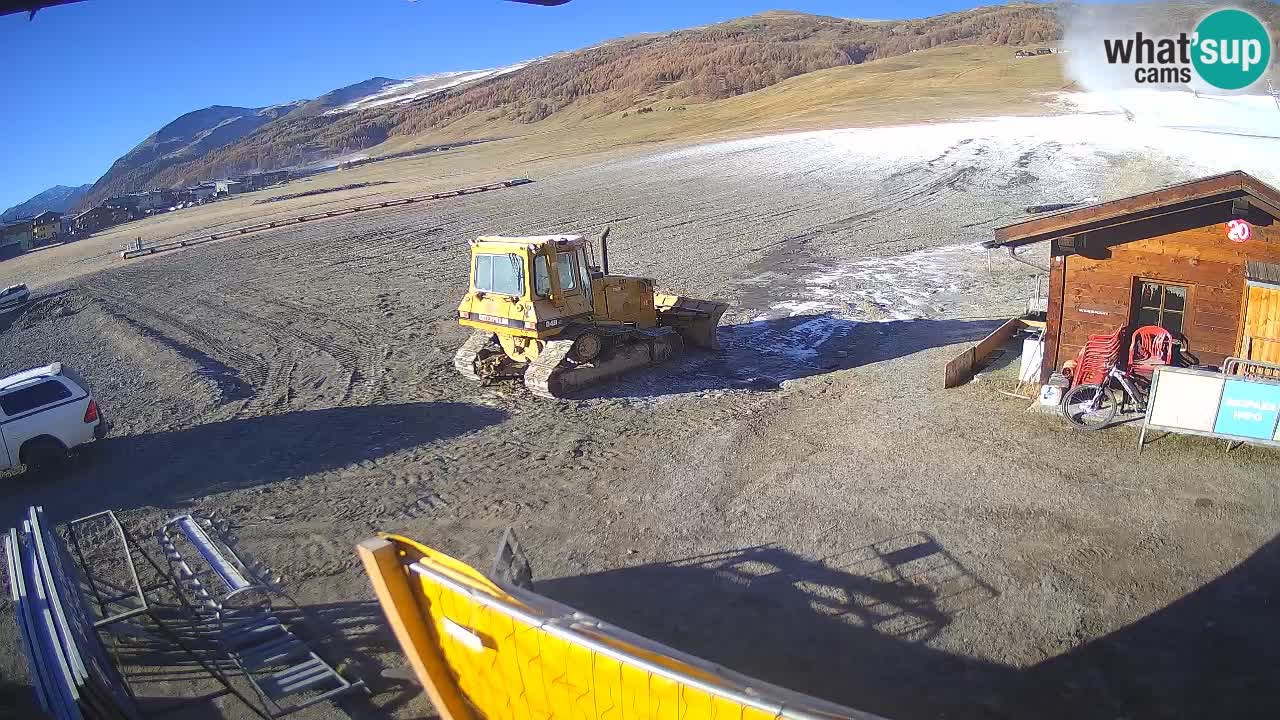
[{"x": 807, "y": 506}]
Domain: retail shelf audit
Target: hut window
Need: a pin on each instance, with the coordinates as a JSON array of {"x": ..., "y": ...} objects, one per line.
[{"x": 1161, "y": 304}]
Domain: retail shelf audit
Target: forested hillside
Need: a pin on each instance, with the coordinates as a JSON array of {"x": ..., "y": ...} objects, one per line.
[{"x": 728, "y": 59}]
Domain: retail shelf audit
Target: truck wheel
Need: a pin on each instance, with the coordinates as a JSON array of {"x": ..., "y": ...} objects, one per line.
[{"x": 43, "y": 456}]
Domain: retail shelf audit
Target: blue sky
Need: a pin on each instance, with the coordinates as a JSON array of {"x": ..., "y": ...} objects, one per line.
[{"x": 84, "y": 83}]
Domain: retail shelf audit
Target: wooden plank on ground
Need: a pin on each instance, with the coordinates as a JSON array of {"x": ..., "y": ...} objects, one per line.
[
  {"x": 996, "y": 340},
  {"x": 163, "y": 247},
  {"x": 961, "y": 368}
]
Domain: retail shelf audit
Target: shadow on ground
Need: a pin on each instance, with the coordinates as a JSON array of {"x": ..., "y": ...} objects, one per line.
[
  {"x": 852, "y": 628},
  {"x": 855, "y": 628},
  {"x": 761, "y": 355},
  {"x": 1215, "y": 652},
  {"x": 169, "y": 468},
  {"x": 352, "y": 636}
]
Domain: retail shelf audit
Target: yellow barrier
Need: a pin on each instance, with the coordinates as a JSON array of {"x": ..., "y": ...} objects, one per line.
[{"x": 488, "y": 652}]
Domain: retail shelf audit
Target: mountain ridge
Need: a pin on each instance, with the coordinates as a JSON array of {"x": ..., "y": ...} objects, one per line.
[
  {"x": 59, "y": 198},
  {"x": 703, "y": 64},
  {"x": 335, "y": 99},
  {"x": 185, "y": 139}
]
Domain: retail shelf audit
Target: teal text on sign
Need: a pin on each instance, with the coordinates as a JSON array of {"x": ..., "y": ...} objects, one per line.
[{"x": 1248, "y": 409}]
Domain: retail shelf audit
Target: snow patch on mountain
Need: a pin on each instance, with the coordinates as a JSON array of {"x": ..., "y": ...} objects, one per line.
[{"x": 422, "y": 86}]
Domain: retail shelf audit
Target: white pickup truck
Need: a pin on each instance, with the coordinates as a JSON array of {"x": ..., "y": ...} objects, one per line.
[
  {"x": 44, "y": 413},
  {"x": 13, "y": 296}
]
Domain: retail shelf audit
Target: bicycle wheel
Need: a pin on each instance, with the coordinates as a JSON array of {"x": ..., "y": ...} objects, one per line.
[{"x": 1089, "y": 407}]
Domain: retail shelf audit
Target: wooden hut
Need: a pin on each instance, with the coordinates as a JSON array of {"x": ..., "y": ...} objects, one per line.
[{"x": 1201, "y": 259}]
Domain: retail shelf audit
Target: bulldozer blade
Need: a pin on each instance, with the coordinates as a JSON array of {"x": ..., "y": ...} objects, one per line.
[{"x": 695, "y": 320}]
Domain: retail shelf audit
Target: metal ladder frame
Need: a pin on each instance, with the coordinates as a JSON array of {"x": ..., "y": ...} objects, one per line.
[{"x": 272, "y": 658}]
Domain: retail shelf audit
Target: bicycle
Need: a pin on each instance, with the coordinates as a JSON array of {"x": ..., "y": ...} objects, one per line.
[{"x": 1094, "y": 406}]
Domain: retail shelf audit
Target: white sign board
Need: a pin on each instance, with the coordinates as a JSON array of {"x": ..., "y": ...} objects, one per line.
[{"x": 1187, "y": 402}]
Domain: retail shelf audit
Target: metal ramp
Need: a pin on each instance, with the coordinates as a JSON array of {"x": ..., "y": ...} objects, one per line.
[
  {"x": 71, "y": 613},
  {"x": 285, "y": 673}
]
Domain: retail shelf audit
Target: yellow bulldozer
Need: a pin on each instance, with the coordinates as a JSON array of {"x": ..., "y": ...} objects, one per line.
[{"x": 542, "y": 309}]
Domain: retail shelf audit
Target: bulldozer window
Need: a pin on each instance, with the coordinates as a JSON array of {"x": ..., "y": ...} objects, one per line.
[
  {"x": 584, "y": 271},
  {"x": 501, "y": 274},
  {"x": 541, "y": 276},
  {"x": 564, "y": 268}
]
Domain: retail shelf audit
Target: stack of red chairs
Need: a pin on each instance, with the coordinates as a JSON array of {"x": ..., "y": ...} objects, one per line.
[{"x": 1096, "y": 358}]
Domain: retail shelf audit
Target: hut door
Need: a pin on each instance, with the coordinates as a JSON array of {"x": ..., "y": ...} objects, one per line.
[{"x": 1261, "y": 339}]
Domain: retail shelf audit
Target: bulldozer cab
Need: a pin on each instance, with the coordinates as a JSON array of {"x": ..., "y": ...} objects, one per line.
[
  {"x": 528, "y": 286},
  {"x": 563, "y": 274}
]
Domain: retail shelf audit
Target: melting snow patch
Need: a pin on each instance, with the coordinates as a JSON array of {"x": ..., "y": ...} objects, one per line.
[
  {"x": 1247, "y": 115},
  {"x": 924, "y": 185},
  {"x": 801, "y": 342},
  {"x": 923, "y": 284},
  {"x": 803, "y": 308},
  {"x": 914, "y": 285}
]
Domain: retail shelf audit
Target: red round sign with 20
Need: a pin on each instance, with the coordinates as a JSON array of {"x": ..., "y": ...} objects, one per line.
[{"x": 1239, "y": 231}]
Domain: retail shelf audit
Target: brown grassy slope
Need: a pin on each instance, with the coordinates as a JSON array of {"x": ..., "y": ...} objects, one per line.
[
  {"x": 725, "y": 60},
  {"x": 933, "y": 85},
  {"x": 714, "y": 62}
]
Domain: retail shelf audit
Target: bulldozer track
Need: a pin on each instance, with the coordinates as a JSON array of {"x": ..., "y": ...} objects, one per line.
[
  {"x": 542, "y": 372},
  {"x": 465, "y": 359},
  {"x": 552, "y": 376}
]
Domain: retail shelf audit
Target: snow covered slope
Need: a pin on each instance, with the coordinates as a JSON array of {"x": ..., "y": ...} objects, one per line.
[
  {"x": 422, "y": 86},
  {"x": 919, "y": 199},
  {"x": 1255, "y": 116}
]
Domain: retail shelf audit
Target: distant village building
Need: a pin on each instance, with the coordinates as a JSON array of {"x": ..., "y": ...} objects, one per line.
[
  {"x": 46, "y": 227},
  {"x": 228, "y": 187},
  {"x": 151, "y": 200},
  {"x": 67, "y": 225},
  {"x": 122, "y": 201},
  {"x": 15, "y": 238},
  {"x": 202, "y": 192},
  {"x": 260, "y": 180},
  {"x": 103, "y": 216},
  {"x": 144, "y": 201},
  {"x": 90, "y": 220}
]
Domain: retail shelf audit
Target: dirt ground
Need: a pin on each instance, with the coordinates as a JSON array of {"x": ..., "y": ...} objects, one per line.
[{"x": 808, "y": 506}]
